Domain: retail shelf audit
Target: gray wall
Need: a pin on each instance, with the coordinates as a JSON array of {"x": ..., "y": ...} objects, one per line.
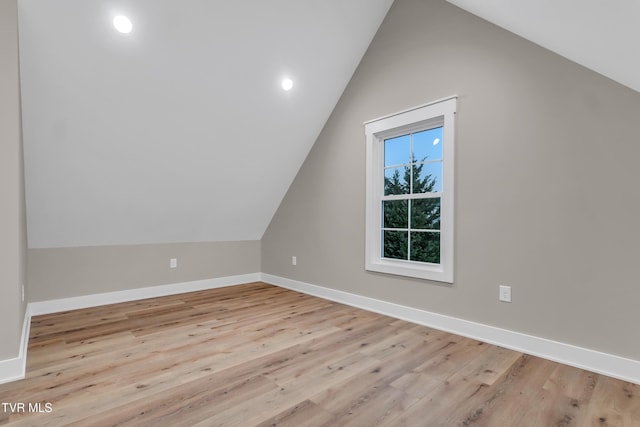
[
  {"x": 70, "y": 272},
  {"x": 546, "y": 190},
  {"x": 12, "y": 212}
]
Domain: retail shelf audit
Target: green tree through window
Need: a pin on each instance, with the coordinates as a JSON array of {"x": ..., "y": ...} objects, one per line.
[{"x": 411, "y": 226}]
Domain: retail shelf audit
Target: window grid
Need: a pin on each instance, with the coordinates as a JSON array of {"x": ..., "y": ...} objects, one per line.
[{"x": 410, "y": 196}]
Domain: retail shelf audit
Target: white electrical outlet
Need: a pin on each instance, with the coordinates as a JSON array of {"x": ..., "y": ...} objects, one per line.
[
  {"x": 173, "y": 263},
  {"x": 294, "y": 260},
  {"x": 505, "y": 293}
]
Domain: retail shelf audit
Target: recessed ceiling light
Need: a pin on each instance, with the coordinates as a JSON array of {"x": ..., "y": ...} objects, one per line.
[
  {"x": 436, "y": 141},
  {"x": 122, "y": 24},
  {"x": 287, "y": 84}
]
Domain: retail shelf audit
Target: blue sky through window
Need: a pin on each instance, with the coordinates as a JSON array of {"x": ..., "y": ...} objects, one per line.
[
  {"x": 397, "y": 151},
  {"x": 426, "y": 146}
]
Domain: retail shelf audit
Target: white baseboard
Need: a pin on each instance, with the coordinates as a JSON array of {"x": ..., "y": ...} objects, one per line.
[
  {"x": 75, "y": 303},
  {"x": 14, "y": 369},
  {"x": 583, "y": 358},
  {"x": 11, "y": 370}
]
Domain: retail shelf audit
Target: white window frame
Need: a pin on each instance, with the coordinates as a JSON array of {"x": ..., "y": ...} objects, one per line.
[{"x": 428, "y": 116}]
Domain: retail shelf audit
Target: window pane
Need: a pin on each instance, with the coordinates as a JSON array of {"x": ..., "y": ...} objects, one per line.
[
  {"x": 394, "y": 244},
  {"x": 427, "y": 145},
  {"x": 395, "y": 214},
  {"x": 427, "y": 177},
  {"x": 425, "y": 247},
  {"x": 396, "y": 181},
  {"x": 425, "y": 214},
  {"x": 397, "y": 151}
]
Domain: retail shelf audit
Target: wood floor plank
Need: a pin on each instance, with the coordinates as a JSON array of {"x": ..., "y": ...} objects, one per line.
[
  {"x": 613, "y": 403},
  {"x": 304, "y": 413},
  {"x": 259, "y": 355},
  {"x": 506, "y": 403},
  {"x": 372, "y": 387},
  {"x": 186, "y": 404}
]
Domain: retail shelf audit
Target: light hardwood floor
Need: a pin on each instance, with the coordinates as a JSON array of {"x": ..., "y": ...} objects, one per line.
[{"x": 259, "y": 355}]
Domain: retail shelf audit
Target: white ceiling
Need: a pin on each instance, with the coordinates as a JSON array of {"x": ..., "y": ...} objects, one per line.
[
  {"x": 600, "y": 35},
  {"x": 178, "y": 131}
]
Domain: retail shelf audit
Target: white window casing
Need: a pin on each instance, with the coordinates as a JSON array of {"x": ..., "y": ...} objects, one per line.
[{"x": 428, "y": 116}]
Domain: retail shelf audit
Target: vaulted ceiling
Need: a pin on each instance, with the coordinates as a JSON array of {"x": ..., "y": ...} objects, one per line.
[{"x": 180, "y": 130}]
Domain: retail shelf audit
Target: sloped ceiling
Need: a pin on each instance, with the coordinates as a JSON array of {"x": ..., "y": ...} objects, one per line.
[
  {"x": 600, "y": 35},
  {"x": 178, "y": 131}
]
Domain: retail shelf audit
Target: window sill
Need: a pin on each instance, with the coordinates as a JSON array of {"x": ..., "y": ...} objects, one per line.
[{"x": 410, "y": 269}]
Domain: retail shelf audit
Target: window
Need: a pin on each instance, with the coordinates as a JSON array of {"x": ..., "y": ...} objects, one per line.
[{"x": 409, "y": 214}]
